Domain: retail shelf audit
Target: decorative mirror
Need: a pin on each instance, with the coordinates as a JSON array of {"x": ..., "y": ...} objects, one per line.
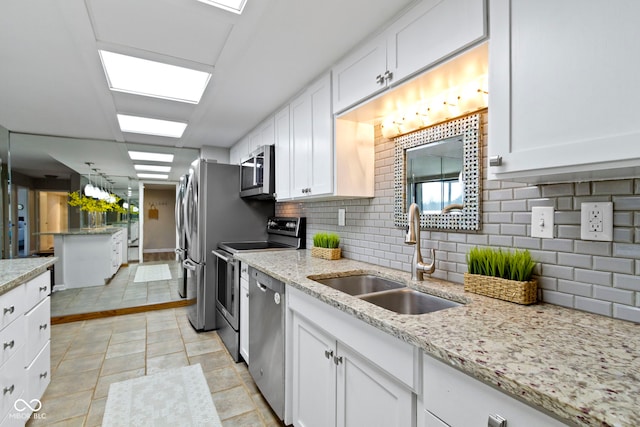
[{"x": 439, "y": 168}]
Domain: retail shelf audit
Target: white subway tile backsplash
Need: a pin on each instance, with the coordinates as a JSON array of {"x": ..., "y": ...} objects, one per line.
[{"x": 598, "y": 277}]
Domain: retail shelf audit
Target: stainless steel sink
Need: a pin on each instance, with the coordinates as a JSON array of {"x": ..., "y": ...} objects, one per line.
[
  {"x": 360, "y": 284},
  {"x": 408, "y": 301}
]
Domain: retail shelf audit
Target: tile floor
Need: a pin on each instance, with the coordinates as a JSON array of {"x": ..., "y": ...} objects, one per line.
[
  {"x": 87, "y": 356},
  {"x": 121, "y": 292}
]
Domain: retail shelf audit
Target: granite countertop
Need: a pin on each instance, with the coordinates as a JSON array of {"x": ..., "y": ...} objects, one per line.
[
  {"x": 14, "y": 272},
  {"x": 83, "y": 231},
  {"x": 582, "y": 367}
]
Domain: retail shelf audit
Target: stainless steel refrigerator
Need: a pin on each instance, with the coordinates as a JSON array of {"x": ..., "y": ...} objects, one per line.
[
  {"x": 181, "y": 249},
  {"x": 215, "y": 212}
]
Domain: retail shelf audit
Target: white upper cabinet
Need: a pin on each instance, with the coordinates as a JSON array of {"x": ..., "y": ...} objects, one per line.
[
  {"x": 282, "y": 126},
  {"x": 563, "y": 90},
  {"x": 430, "y": 32}
]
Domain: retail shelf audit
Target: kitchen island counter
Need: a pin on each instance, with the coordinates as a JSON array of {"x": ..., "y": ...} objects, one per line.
[
  {"x": 14, "y": 272},
  {"x": 579, "y": 366}
]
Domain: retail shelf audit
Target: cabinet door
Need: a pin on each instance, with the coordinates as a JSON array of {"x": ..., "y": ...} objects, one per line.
[
  {"x": 314, "y": 376},
  {"x": 360, "y": 75},
  {"x": 321, "y": 137},
  {"x": 366, "y": 396},
  {"x": 283, "y": 154},
  {"x": 563, "y": 88},
  {"x": 300, "y": 144},
  {"x": 432, "y": 31},
  {"x": 244, "y": 317}
]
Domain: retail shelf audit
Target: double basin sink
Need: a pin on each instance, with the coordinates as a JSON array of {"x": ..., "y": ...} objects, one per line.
[{"x": 391, "y": 295}]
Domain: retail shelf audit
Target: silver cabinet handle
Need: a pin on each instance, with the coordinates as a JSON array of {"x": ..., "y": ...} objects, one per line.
[
  {"x": 379, "y": 79},
  {"x": 328, "y": 354},
  {"x": 9, "y": 344},
  {"x": 337, "y": 360},
  {"x": 9, "y": 389},
  {"x": 9, "y": 310},
  {"x": 495, "y": 161},
  {"x": 43, "y": 288},
  {"x": 43, "y": 326},
  {"x": 43, "y": 375},
  {"x": 496, "y": 420},
  {"x": 388, "y": 75}
]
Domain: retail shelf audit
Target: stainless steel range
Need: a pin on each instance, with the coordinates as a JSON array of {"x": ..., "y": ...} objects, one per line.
[{"x": 283, "y": 233}]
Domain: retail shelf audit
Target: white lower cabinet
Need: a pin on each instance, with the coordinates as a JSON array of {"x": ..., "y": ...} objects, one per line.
[
  {"x": 244, "y": 312},
  {"x": 453, "y": 398},
  {"x": 335, "y": 384}
]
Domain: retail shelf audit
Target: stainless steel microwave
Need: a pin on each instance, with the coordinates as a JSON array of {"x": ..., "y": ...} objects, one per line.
[{"x": 257, "y": 174}]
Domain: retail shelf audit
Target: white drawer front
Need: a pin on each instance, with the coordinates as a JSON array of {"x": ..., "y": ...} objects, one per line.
[
  {"x": 38, "y": 289},
  {"x": 12, "y": 305},
  {"x": 39, "y": 373},
  {"x": 13, "y": 382},
  {"x": 12, "y": 338},
  {"x": 38, "y": 329},
  {"x": 16, "y": 418}
]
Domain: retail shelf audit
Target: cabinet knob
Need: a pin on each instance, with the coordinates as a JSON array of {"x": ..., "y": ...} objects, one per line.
[
  {"x": 9, "y": 344},
  {"x": 44, "y": 326},
  {"x": 495, "y": 161},
  {"x": 337, "y": 360},
  {"x": 379, "y": 79},
  {"x": 43, "y": 288},
  {"x": 388, "y": 75},
  {"x": 43, "y": 375},
  {"x": 9, "y": 389},
  {"x": 9, "y": 310},
  {"x": 328, "y": 354},
  {"x": 496, "y": 420}
]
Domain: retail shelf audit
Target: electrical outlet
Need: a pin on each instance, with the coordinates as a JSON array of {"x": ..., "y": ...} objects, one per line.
[
  {"x": 542, "y": 221},
  {"x": 341, "y": 217},
  {"x": 596, "y": 221}
]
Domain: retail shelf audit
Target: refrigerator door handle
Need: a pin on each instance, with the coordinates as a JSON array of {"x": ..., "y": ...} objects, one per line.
[{"x": 189, "y": 265}]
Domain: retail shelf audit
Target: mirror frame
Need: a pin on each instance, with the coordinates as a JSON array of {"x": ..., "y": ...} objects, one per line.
[{"x": 469, "y": 127}]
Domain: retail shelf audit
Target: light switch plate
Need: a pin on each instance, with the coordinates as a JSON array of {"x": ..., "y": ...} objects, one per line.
[
  {"x": 596, "y": 221},
  {"x": 542, "y": 221},
  {"x": 341, "y": 217}
]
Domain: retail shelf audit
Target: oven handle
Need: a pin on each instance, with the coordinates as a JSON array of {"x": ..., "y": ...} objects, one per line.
[
  {"x": 189, "y": 265},
  {"x": 221, "y": 256}
]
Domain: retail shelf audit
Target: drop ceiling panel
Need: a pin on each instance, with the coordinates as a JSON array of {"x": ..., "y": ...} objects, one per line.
[{"x": 184, "y": 29}]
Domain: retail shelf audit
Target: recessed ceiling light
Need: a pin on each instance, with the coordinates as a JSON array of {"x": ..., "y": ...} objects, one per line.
[
  {"x": 150, "y": 78},
  {"x": 149, "y": 126},
  {"x": 234, "y": 6},
  {"x": 152, "y": 176},
  {"x": 153, "y": 157},
  {"x": 152, "y": 168}
]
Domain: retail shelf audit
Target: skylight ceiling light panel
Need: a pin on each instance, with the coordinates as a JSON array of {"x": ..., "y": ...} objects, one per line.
[
  {"x": 149, "y": 126},
  {"x": 152, "y": 168},
  {"x": 151, "y": 157},
  {"x": 234, "y": 6},
  {"x": 150, "y": 78},
  {"x": 152, "y": 176}
]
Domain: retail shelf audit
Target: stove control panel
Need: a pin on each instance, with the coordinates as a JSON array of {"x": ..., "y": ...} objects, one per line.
[{"x": 288, "y": 226}]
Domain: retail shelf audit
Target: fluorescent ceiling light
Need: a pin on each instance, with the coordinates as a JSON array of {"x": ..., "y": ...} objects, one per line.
[
  {"x": 150, "y": 78},
  {"x": 152, "y": 168},
  {"x": 149, "y": 126},
  {"x": 153, "y": 157},
  {"x": 152, "y": 176},
  {"x": 234, "y": 6}
]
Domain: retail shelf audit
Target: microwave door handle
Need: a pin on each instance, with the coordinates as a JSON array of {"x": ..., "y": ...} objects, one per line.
[{"x": 221, "y": 256}]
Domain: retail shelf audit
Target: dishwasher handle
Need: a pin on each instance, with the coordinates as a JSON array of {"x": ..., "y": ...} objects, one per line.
[{"x": 262, "y": 287}]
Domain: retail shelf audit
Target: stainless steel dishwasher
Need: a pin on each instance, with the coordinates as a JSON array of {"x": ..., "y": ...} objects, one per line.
[{"x": 266, "y": 337}]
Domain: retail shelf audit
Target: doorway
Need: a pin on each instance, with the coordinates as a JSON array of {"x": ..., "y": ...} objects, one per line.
[{"x": 53, "y": 217}]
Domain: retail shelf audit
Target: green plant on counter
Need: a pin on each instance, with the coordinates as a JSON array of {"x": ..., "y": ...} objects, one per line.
[
  {"x": 326, "y": 240},
  {"x": 90, "y": 204},
  {"x": 516, "y": 265}
]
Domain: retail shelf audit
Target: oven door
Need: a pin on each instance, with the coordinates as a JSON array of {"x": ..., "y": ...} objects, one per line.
[{"x": 228, "y": 287}]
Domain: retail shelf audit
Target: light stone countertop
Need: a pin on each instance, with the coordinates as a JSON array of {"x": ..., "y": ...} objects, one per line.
[
  {"x": 582, "y": 367},
  {"x": 14, "y": 272}
]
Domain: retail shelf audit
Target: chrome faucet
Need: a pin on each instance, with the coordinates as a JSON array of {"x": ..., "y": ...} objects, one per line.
[{"x": 418, "y": 267}]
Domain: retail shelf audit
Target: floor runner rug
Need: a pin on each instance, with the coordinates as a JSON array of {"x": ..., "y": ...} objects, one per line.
[
  {"x": 150, "y": 273},
  {"x": 174, "y": 397}
]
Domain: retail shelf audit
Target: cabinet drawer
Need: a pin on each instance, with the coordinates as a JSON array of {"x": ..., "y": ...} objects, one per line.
[
  {"x": 13, "y": 381},
  {"x": 39, "y": 373},
  {"x": 38, "y": 289},
  {"x": 12, "y": 305},
  {"x": 12, "y": 338},
  {"x": 38, "y": 329}
]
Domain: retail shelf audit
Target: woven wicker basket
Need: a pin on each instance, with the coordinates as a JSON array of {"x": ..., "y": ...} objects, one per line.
[
  {"x": 504, "y": 289},
  {"x": 326, "y": 253}
]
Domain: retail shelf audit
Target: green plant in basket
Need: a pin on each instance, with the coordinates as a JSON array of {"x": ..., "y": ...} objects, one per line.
[
  {"x": 516, "y": 265},
  {"x": 326, "y": 240}
]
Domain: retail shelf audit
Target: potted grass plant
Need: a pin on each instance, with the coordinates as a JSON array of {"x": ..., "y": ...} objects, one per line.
[
  {"x": 326, "y": 246},
  {"x": 501, "y": 274}
]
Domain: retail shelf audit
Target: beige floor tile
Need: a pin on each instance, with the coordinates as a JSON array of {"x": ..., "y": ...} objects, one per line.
[
  {"x": 211, "y": 361},
  {"x": 125, "y": 348},
  {"x": 70, "y": 422},
  {"x": 81, "y": 349},
  {"x": 161, "y": 325},
  {"x": 249, "y": 419},
  {"x": 96, "y": 412},
  {"x": 63, "y": 407},
  {"x": 123, "y": 363},
  {"x": 166, "y": 361},
  {"x": 269, "y": 417},
  {"x": 222, "y": 379},
  {"x": 126, "y": 336},
  {"x": 128, "y": 324},
  {"x": 80, "y": 364},
  {"x": 102, "y": 388},
  {"x": 164, "y": 347},
  {"x": 201, "y": 347},
  {"x": 245, "y": 376},
  {"x": 169, "y": 335},
  {"x": 78, "y": 381},
  {"x": 232, "y": 402}
]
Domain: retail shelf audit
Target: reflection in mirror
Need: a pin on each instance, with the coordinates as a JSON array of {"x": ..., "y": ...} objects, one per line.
[{"x": 439, "y": 169}]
